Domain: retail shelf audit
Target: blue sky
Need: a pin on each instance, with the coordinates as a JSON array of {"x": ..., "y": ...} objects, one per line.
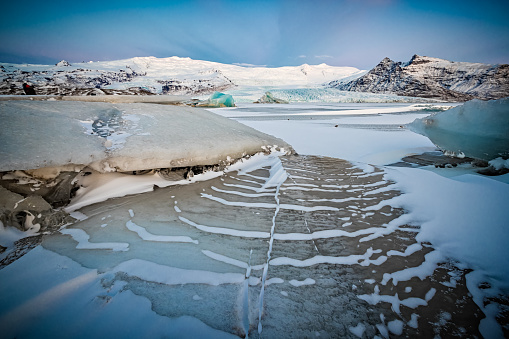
[{"x": 355, "y": 33}]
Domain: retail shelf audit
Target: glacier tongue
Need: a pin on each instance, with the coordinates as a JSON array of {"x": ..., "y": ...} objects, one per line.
[{"x": 478, "y": 129}]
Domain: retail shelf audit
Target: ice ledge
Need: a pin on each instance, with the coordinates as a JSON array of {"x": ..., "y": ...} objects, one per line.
[{"x": 121, "y": 137}]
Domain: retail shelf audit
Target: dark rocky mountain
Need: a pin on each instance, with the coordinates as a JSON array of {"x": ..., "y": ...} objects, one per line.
[{"x": 434, "y": 78}]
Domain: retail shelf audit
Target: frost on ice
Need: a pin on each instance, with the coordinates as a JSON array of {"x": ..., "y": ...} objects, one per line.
[{"x": 478, "y": 129}]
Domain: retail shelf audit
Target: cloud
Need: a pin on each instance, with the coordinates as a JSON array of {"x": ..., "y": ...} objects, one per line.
[
  {"x": 302, "y": 56},
  {"x": 323, "y": 56}
]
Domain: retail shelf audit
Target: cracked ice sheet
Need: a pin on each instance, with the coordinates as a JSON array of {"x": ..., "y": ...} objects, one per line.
[
  {"x": 60, "y": 298},
  {"x": 218, "y": 266}
]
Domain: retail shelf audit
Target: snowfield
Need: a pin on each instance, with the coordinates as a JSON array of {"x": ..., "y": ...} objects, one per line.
[{"x": 334, "y": 241}]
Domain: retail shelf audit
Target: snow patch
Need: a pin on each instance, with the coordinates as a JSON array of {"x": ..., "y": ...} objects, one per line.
[{"x": 298, "y": 283}]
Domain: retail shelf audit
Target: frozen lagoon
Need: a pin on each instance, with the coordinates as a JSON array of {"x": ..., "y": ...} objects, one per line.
[{"x": 321, "y": 244}]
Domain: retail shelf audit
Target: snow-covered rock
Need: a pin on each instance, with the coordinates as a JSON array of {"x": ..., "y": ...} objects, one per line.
[
  {"x": 62, "y": 63},
  {"x": 433, "y": 78},
  {"x": 477, "y": 129}
]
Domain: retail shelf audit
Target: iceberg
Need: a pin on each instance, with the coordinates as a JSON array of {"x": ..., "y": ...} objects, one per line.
[
  {"x": 477, "y": 129},
  {"x": 268, "y": 98},
  {"x": 50, "y": 147},
  {"x": 216, "y": 100}
]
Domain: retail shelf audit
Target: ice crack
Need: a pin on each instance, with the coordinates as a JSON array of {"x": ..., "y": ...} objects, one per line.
[{"x": 278, "y": 173}]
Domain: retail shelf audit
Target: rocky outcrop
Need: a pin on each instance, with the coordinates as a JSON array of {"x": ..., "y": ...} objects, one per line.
[
  {"x": 435, "y": 78},
  {"x": 211, "y": 81},
  {"x": 31, "y": 213},
  {"x": 55, "y": 81}
]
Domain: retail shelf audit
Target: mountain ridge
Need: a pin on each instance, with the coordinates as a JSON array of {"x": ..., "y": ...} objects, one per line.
[{"x": 434, "y": 78}]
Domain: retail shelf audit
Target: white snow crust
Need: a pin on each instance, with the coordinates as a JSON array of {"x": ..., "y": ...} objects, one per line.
[
  {"x": 358, "y": 330},
  {"x": 465, "y": 219},
  {"x": 362, "y": 134}
]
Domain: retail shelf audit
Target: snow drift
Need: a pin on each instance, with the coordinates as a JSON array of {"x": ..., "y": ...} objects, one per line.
[{"x": 478, "y": 129}]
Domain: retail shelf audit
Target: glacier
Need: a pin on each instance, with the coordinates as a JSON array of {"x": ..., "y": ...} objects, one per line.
[
  {"x": 151, "y": 75},
  {"x": 477, "y": 129},
  {"x": 317, "y": 94}
]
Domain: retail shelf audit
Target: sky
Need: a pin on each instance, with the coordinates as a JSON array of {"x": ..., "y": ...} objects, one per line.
[{"x": 356, "y": 33}]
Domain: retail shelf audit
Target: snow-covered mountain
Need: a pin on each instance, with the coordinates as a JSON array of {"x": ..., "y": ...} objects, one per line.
[
  {"x": 428, "y": 77},
  {"x": 150, "y": 75}
]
